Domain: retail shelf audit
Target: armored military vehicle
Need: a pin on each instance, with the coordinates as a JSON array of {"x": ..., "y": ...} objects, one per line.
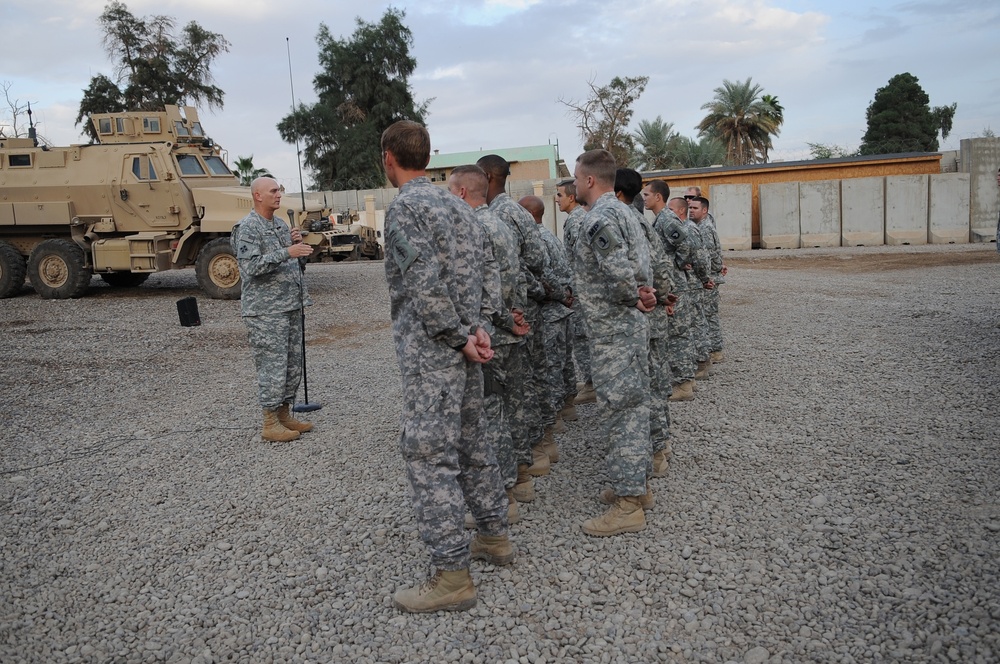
[
  {"x": 153, "y": 194},
  {"x": 351, "y": 240}
]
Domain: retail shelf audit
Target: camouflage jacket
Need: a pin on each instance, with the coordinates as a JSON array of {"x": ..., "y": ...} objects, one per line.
[
  {"x": 434, "y": 267},
  {"x": 553, "y": 309},
  {"x": 511, "y": 288},
  {"x": 571, "y": 228},
  {"x": 699, "y": 272},
  {"x": 712, "y": 249},
  {"x": 659, "y": 321},
  {"x": 534, "y": 263},
  {"x": 271, "y": 279},
  {"x": 604, "y": 273}
]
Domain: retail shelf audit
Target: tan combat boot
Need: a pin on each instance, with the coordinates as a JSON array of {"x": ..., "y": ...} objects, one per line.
[
  {"x": 273, "y": 429},
  {"x": 559, "y": 426},
  {"x": 445, "y": 591},
  {"x": 524, "y": 488},
  {"x": 683, "y": 391},
  {"x": 585, "y": 394},
  {"x": 661, "y": 462},
  {"x": 548, "y": 445},
  {"x": 704, "y": 370},
  {"x": 289, "y": 422},
  {"x": 624, "y": 516},
  {"x": 647, "y": 500},
  {"x": 540, "y": 464},
  {"x": 493, "y": 549},
  {"x": 568, "y": 412},
  {"x": 716, "y": 357}
]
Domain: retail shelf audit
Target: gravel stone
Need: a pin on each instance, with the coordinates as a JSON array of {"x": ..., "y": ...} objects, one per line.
[{"x": 832, "y": 496}]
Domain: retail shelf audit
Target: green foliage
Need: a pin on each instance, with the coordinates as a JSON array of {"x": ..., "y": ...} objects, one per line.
[
  {"x": 655, "y": 143},
  {"x": 823, "y": 151},
  {"x": 362, "y": 88},
  {"x": 247, "y": 172},
  {"x": 604, "y": 117},
  {"x": 742, "y": 121},
  {"x": 900, "y": 119},
  {"x": 153, "y": 66},
  {"x": 691, "y": 153}
]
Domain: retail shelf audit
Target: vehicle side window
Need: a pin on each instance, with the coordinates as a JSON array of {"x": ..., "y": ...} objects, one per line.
[
  {"x": 137, "y": 169},
  {"x": 189, "y": 165},
  {"x": 15, "y": 160},
  {"x": 217, "y": 166}
]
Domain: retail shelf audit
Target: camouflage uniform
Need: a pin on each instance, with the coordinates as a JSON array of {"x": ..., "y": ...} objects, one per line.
[
  {"x": 678, "y": 248},
  {"x": 710, "y": 297},
  {"x": 660, "y": 380},
  {"x": 559, "y": 375},
  {"x": 434, "y": 267},
  {"x": 581, "y": 347},
  {"x": 697, "y": 276},
  {"x": 607, "y": 282},
  {"x": 271, "y": 305},
  {"x": 509, "y": 288},
  {"x": 529, "y": 407}
]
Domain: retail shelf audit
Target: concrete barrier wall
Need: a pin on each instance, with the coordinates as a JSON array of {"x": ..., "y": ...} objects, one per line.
[
  {"x": 819, "y": 213},
  {"x": 779, "y": 215},
  {"x": 981, "y": 159},
  {"x": 906, "y": 209},
  {"x": 731, "y": 206},
  {"x": 862, "y": 204},
  {"x": 948, "y": 215}
]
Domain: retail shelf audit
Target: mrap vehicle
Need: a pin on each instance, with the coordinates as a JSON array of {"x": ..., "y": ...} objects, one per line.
[{"x": 153, "y": 194}]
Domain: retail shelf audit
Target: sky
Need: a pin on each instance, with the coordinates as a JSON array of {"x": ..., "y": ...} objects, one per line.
[{"x": 496, "y": 70}]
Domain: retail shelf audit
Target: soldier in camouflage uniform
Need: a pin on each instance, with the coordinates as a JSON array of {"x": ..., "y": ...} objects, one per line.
[
  {"x": 530, "y": 411},
  {"x": 506, "y": 285},
  {"x": 434, "y": 266},
  {"x": 608, "y": 282},
  {"x": 584, "y": 390},
  {"x": 556, "y": 317},
  {"x": 698, "y": 212},
  {"x": 628, "y": 185},
  {"x": 674, "y": 238},
  {"x": 699, "y": 280},
  {"x": 271, "y": 306}
]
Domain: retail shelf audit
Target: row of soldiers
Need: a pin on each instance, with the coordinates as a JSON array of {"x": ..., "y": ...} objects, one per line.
[{"x": 545, "y": 326}]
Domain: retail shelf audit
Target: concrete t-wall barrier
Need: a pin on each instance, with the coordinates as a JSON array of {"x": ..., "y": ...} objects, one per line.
[
  {"x": 779, "y": 215},
  {"x": 862, "y": 204},
  {"x": 906, "y": 209},
  {"x": 948, "y": 221},
  {"x": 731, "y": 205},
  {"x": 981, "y": 159},
  {"x": 819, "y": 213}
]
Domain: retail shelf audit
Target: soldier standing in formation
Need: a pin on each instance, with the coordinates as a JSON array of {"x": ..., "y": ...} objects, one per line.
[
  {"x": 567, "y": 203},
  {"x": 699, "y": 214},
  {"x": 271, "y": 306}
]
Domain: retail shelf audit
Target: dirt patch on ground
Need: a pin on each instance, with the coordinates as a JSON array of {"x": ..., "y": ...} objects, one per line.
[
  {"x": 855, "y": 263},
  {"x": 333, "y": 334}
]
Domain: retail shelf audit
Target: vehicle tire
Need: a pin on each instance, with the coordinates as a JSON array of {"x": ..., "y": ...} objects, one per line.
[
  {"x": 124, "y": 279},
  {"x": 58, "y": 270},
  {"x": 218, "y": 271},
  {"x": 12, "y": 270}
]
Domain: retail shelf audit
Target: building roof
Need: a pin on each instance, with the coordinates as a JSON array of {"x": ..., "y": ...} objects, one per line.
[{"x": 789, "y": 164}]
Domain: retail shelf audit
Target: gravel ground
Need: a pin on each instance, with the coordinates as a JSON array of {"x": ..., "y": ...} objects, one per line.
[{"x": 833, "y": 495}]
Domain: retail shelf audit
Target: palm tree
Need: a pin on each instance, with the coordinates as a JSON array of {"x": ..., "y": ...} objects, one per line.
[
  {"x": 742, "y": 121},
  {"x": 689, "y": 153},
  {"x": 656, "y": 145},
  {"x": 246, "y": 172}
]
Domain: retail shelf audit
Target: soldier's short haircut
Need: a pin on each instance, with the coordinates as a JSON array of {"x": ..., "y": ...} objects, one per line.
[
  {"x": 680, "y": 202},
  {"x": 628, "y": 182},
  {"x": 472, "y": 178},
  {"x": 660, "y": 187},
  {"x": 569, "y": 185},
  {"x": 494, "y": 165},
  {"x": 702, "y": 200},
  {"x": 599, "y": 163},
  {"x": 409, "y": 143}
]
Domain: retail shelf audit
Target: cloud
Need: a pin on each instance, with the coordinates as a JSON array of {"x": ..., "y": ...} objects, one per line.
[{"x": 441, "y": 73}]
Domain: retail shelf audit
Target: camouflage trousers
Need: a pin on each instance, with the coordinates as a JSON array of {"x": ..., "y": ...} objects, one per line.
[
  {"x": 699, "y": 325},
  {"x": 660, "y": 389},
  {"x": 449, "y": 463},
  {"x": 559, "y": 372},
  {"x": 680, "y": 343},
  {"x": 276, "y": 345},
  {"x": 495, "y": 426},
  {"x": 710, "y": 301},
  {"x": 581, "y": 346},
  {"x": 540, "y": 413},
  {"x": 517, "y": 403},
  {"x": 621, "y": 382}
]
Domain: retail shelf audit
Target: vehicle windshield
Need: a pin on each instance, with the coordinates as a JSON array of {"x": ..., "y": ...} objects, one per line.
[
  {"x": 189, "y": 165},
  {"x": 217, "y": 166}
]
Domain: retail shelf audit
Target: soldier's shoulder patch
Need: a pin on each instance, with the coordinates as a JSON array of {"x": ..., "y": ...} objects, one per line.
[
  {"x": 401, "y": 250},
  {"x": 244, "y": 248},
  {"x": 602, "y": 239}
]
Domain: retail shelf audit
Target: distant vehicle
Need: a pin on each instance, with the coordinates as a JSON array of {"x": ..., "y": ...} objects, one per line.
[
  {"x": 154, "y": 194},
  {"x": 351, "y": 240}
]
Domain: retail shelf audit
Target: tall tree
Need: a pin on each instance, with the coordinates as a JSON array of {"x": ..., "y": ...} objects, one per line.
[
  {"x": 708, "y": 151},
  {"x": 153, "y": 66},
  {"x": 363, "y": 87},
  {"x": 655, "y": 145},
  {"x": 247, "y": 172},
  {"x": 604, "y": 117},
  {"x": 900, "y": 119},
  {"x": 742, "y": 121}
]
